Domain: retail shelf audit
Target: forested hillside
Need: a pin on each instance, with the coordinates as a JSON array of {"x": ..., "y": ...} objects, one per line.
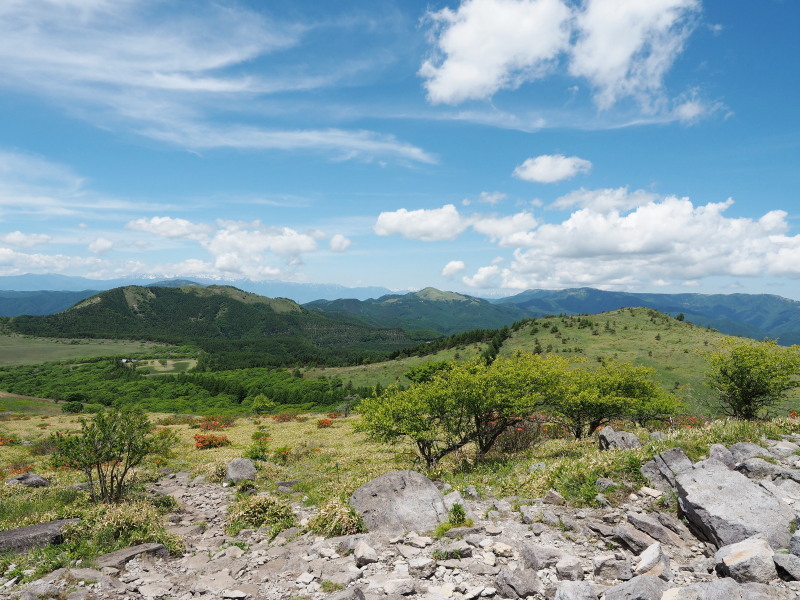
[
  {"x": 232, "y": 327},
  {"x": 427, "y": 310}
]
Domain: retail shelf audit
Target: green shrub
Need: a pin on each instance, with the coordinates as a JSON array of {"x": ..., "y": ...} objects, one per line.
[
  {"x": 72, "y": 407},
  {"x": 263, "y": 510},
  {"x": 336, "y": 518},
  {"x": 108, "y": 447}
]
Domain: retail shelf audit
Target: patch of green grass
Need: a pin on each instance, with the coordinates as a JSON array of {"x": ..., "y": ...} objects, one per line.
[{"x": 27, "y": 350}]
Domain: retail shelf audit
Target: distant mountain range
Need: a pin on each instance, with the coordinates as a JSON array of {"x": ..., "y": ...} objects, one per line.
[
  {"x": 429, "y": 312},
  {"x": 299, "y": 292},
  {"x": 751, "y": 315}
]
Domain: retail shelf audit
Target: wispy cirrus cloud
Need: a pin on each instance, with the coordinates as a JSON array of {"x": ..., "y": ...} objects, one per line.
[{"x": 175, "y": 72}]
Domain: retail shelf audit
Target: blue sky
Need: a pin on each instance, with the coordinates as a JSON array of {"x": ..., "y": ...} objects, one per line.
[{"x": 481, "y": 146}]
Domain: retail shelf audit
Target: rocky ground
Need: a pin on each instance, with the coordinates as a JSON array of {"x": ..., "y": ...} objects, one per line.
[{"x": 516, "y": 547}]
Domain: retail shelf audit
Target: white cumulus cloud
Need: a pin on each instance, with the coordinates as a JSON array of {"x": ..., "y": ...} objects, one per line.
[
  {"x": 487, "y": 45},
  {"x": 170, "y": 227},
  {"x": 625, "y": 47},
  {"x": 604, "y": 200},
  {"x": 339, "y": 243},
  {"x": 454, "y": 267},
  {"x": 24, "y": 240},
  {"x": 427, "y": 225},
  {"x": 511, "y": 231},
  {"x": 632, "y": 241},
  {"x": 549, "y": 168}
]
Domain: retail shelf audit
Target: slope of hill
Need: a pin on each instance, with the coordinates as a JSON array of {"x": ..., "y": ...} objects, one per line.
[
  {"x": 752, "y": 315},
  {"x": 236, "y": 327},
  {"x": 676, "y": 350},
  {"x": 427, "y": 309}
]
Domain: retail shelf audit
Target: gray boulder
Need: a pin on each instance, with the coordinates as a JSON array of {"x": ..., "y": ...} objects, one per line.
[
  {"x": 720, "y": 589},
  {"x": 538, "y": 556},
  {"x": 725, "y": 507},
  {"x": 399, "y": 500},
  {"x": 23, "y": 539},
  {"x": 518, "y": 584},
  {"x": 746, "y": 561},
  {"x": 722, "y": 454},
  {"x": 634, "y": 539},
  {"x": 788, "y": 566},
  {"x": 744, "y": 450},
  {"x": 241, "y": 469},
  {"x": 644, "y": 587},
  {"x": 654, "y": 562},
  {"x": 608, "y": 438},
  {"x": 665, "y": 467},
  {"x": 609, "y": 567},
  {"x": 575, "y": 590},
  {"x": 119, "y": 558},
  {"x": 29, "y": 480},
  {"x": 569, "y": 568}
]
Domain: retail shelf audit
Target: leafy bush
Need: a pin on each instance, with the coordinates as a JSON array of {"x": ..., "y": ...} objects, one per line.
[
  {"x": 750, "y": 378},
  {"x": 115, "y": 526},
  {"x": 323, "y": 423},
  {"x": 336, "y": 518},
  {"x": 204, "y": 441},
  {"x": 258, "y": 450},
  {"x": 263, "y": 510},
  {"x": 72, "y": 407},
  {"x": 108, "y": 447}
]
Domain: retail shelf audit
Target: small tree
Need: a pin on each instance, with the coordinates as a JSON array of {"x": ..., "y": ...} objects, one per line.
[
  {"x": 262, "y": 405},
  {"x": 586, "y": 399},
  {"x": 108, "y": 447},
  {"x": 749, "y": 378},
  {"x": 468, "y": 403}
]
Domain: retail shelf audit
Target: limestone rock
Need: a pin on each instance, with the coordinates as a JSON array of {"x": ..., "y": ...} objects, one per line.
[
  {"x": 654, "y": 562},
  {"x": 575, "y": 590},
  {"x": 399, "y": 500},
  {"x": 608, "y": 438},
  {"x": 723, "y": 455},
  {"x": 29, "y": 480},
  {"x": 788, "y": 566},
  {"x": 609, "y": 567},
  {"x": 518, "y": 584},
  {"x": 120, "y": 558},
  {"x": 569, "y": 568},
  {"x": 748, "y": 560},
  {"x": 241, "y": 469},
  {"x": 23, "y": 539},
  {"x": 725, "y": 507},
  {"x": 643, "y": 587}
]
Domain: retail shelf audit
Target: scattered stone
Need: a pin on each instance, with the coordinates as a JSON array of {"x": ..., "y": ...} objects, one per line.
[
  {"x": 610, "y": 568},
  {"x": 788, "y": 566},
  {"x": 569, "y": 568},
  {"x": 748, "y": 560},
  {"x": 575, "y": 590},
  {"x": 723, "y": 455},
  {"x": 120, "y": 558},
  {"x": 29, "y": 480},
  {"x": 364, "y": 554},
  {"x": 518, "y": 584},
  {"x": 608, "y": 438},
  {"x": 23, "y": 539},
  {"x": 643, "y": 587},
  {"x": 553, "y": 497},
  {"x": 241, "y": 469},
  {"x": 654, "y": 562},
  {"x": 399, "y": 500}
]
